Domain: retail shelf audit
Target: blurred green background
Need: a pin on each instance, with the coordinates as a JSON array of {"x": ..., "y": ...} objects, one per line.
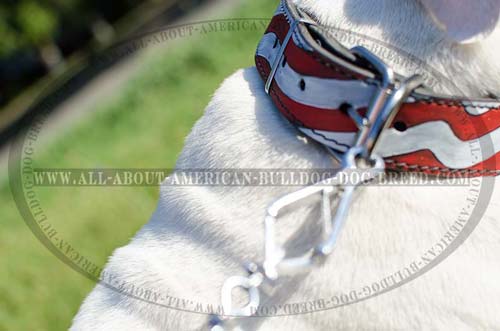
[
  {"x": 40, "y": 37},
  {"x": 142, "y": 126}
]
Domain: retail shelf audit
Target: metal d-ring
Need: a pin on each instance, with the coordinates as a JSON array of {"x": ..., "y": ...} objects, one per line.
[{"x": 250, "y": 284}]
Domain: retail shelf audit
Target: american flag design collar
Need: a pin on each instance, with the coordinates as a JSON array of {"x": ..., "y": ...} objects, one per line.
[{"x": 312, "y": 84}]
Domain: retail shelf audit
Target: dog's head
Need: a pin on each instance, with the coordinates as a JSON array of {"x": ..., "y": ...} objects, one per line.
[{"x": 464, "y": 21}]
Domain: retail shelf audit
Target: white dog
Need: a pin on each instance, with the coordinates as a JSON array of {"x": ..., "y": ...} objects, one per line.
[{"x": 201, "y": 235}]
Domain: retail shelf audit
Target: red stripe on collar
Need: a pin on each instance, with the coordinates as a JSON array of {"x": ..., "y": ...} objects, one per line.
[{"x": 435, "y": 134}]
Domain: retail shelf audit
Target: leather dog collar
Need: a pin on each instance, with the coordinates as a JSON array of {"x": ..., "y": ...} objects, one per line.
[{"x": 325, "y": 89}]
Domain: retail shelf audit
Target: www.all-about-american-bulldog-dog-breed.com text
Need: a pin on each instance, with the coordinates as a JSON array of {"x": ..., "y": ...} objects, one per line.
[{"x": 313, "y": 102}]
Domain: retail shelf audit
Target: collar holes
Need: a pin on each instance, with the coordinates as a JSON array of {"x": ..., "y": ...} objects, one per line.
[
  {"x": 344, "y": 107},
  {"x": 400, "y": 126},
  {"x": 302, "y": 85}
]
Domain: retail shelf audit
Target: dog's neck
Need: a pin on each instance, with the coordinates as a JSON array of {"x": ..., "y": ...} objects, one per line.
[{"x": 406, "y": 25}]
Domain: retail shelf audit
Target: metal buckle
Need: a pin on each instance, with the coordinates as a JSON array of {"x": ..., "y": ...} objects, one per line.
[
  {"x": 383, "y": 107},
  {"x": 281, "y": 52}
]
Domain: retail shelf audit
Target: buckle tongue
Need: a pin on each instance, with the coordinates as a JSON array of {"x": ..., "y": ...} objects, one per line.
[{"x": 281, "y": 52}]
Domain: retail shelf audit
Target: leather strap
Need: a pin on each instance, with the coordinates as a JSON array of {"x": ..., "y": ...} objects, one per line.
[{"x": 317, "y": 79}]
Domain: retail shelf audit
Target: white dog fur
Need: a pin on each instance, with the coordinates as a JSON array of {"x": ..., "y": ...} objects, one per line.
[{"x": 199, "y": 236}]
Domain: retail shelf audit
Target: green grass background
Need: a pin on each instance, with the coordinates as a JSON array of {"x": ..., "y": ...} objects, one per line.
[{"x": 144, "y": 127}]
